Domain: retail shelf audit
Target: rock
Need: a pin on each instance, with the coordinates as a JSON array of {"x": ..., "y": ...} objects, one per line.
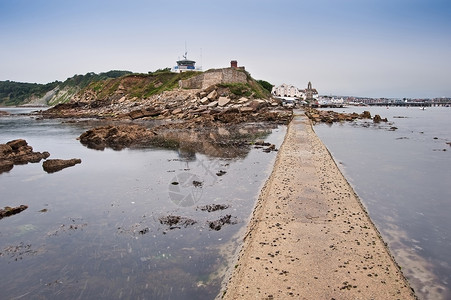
[
  {"x": 3, "y": 113},
  {"x": 6, "y": 165},
  {"x": 17, "y": 144},
  {"x": 224, "y": 132},
  {"x": 116, "y": 137},
  {"x": 5, "y": 150},
  {"x": 246, "y": 109},
  {"x": 9, "y": 211},
  {"x": 18, "y": 152},
  {"x": 377, "y": 119},
  {"x": 213, "y": 95},
  {"x": 217, "y": 225},
  {"x": 204, "y": 100},
  {"x": 212, "y": 104},
  {"x": 220, "y": 173},
  {"x": 55, "y": 165},
  {"x": 173, "y": 221},
  {"x": 223, "y": 101},
  {"x": 257, "y": 104},
  {"x": 213, "y": 207},
  {"x": 176, "y": 111},
  {"x": 366, "y": 115},
  {"x": 142, "y": 113},
  {"x": 242, "y": 100}
]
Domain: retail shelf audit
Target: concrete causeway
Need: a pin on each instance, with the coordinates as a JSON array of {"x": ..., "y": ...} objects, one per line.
[{"x": 309, "y": 236}]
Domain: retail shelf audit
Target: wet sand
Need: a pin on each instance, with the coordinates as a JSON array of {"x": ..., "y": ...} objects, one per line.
[{"x": 309, "y": 236}]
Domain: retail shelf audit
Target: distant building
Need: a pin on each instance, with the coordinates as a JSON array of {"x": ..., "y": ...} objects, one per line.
[
  {"x": 310, "y": 93},
  {"x": 285, "y": 90},
  {"x": 234, "y": 65},
  {"x": 185, "y": 65}
]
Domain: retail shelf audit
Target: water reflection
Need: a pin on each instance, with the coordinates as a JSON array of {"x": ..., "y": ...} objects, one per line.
[
  {"x": 402, "y": 176},
  {"x": 94, "y": 230}
]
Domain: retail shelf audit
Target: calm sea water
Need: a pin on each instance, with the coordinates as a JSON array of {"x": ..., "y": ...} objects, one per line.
[
  {"x": 92, "y": 231},
  {"x": 403, "y": 177}
]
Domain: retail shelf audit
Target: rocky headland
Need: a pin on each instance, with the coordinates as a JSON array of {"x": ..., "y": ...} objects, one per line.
[{"x": 224, "y": 96}]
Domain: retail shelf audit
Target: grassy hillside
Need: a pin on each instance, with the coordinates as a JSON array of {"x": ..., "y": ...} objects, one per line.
[
  {"x": 18, "y": 93},
  {"x": 139, "y": 85},
  {"x": 107, "y": 84}
]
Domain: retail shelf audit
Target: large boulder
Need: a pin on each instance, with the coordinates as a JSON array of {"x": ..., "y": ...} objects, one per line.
[
  {"x": 55, "y": 165},
  {"x": 17, "y": 152},
  {"x": 116, "y": 137},
  {"x": 223, "y": 101},
  {"x": 213, "y": 95},
  {"x": 257, "y": 104}
]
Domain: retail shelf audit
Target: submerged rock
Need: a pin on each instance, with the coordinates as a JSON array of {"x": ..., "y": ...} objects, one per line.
[
  {"x": 55, "y": 165},
  {"x": 213, "y": 207},
  {"x": 217, "y": 225},
  {"x": 176, "y": 221},
  {"x": 9, "y": 211}
]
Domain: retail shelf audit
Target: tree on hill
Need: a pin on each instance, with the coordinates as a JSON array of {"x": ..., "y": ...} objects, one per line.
[{"x": 266, "y": 85}]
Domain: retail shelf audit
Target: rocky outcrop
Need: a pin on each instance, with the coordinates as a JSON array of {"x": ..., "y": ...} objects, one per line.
[
  {"x": 319, "y": 116},
  {"x": 9, "y": 211},
  {"x": 17, "y": 152},
  {"x": 55, "y": 165},
  {"x": 116, "y": 137},
  {"x": 209, "y": 93}
]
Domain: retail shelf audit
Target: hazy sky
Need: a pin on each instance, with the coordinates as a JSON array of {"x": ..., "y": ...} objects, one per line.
[{"x": 376, "y": 48}]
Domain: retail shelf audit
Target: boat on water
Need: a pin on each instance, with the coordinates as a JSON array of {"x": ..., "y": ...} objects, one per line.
[{"x": 185, "y": 65}]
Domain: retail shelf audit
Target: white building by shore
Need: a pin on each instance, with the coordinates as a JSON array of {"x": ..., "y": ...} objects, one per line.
[{"x": 286, "y": 90}]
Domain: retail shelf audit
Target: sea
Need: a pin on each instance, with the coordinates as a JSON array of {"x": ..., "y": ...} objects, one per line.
[
  {"x": 401, "y": 171},
  {"x": 146, "y": 223}
]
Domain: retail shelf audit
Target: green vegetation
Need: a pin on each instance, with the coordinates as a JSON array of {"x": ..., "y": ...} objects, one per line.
[
  {"x": 140, "y": 85},
  {"x": 18, "y": 93},
  {"x": 107, "y": 84},
  {"x": 251, "y": 88},
  {"x": 266, "y": 85}
]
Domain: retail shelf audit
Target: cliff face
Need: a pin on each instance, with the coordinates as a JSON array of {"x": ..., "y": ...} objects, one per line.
[{"x": 53, "y": 97}]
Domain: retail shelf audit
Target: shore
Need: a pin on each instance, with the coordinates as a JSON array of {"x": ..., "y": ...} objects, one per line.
[{"x": 309, "y": 236}]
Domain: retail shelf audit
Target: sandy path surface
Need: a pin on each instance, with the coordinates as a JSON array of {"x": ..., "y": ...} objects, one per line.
[{"x": 310, "y": 237}]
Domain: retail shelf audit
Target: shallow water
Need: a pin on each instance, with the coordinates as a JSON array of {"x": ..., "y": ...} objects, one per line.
[
  {"x": 403, "y": 178},
  {"x": 93, "y": 230}
]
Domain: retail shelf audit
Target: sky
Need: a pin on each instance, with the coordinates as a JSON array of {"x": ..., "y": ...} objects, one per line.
[{"x": 372, "y": 48}]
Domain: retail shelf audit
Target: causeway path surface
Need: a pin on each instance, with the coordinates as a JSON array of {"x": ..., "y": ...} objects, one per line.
[{"x": 309, "y": 236}]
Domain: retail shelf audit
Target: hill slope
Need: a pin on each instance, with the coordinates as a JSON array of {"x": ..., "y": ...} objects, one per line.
[{"x": 19, "y": 93}]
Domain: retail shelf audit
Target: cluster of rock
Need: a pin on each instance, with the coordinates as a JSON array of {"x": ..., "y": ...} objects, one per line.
[
  {"x": 331, "y": 116},
  {"x": 18, "y": 152},
  {"x": 214, "y": 103},
  {"x": 116, "y": 137}
]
